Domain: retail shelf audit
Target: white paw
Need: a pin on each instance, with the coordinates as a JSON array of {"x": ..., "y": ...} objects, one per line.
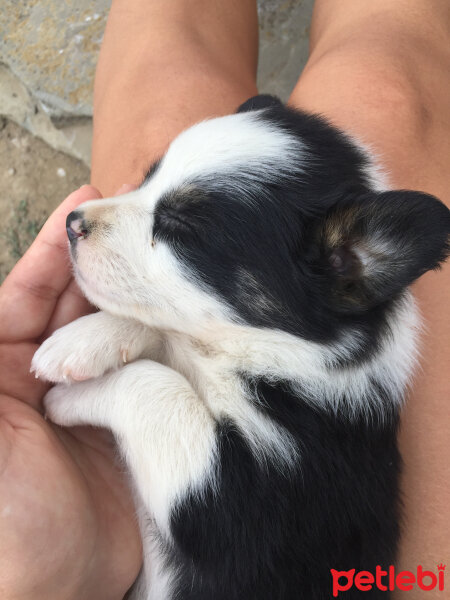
[
  {"x": 87, "y": 348},
  {"x": 61, "y": 406},
  {"x": 72, "y": 354},
  {"x": 84, "y": 403}
]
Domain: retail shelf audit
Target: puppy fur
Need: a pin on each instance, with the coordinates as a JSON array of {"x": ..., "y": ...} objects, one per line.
[{"x": 257, "y": 285}]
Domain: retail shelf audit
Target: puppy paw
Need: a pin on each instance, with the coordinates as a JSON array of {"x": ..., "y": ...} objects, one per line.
[
  {"x": 87, "y": 348},
  {"x": 64, "y": 406},
  {"x": 85, "y": 403}
]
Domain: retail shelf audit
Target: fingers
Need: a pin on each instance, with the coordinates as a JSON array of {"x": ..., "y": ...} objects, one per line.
[
  {"x": 16, "y": 380},
  {"x": 30, "y": 293}
]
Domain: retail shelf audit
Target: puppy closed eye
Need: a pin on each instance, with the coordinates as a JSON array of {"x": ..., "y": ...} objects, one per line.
[
  {"x": 181, "y": 212},
  {"x": 170, "y": 218}
]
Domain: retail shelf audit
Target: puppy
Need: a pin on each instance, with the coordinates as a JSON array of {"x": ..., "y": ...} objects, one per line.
[{"x": 251, "y": 353}]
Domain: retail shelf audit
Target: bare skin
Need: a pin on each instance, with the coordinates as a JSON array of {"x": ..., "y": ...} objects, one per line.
[{"x": 379, "y": 70}]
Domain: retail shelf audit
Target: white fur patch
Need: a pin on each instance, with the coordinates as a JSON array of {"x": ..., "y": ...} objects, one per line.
[
  {"x": 376, "y": 174},
  {"x": 166, "y": 435},
  {"x": 214, "y": 376},
  {"x": 241, "y": 146},
  {"x": 310, "y": 365}
]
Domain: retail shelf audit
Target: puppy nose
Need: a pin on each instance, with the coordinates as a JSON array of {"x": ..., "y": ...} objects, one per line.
[{"x": 76, "y": 226}]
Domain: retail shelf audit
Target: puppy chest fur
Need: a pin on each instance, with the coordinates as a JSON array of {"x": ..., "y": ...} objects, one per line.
[{"x": 255, "y": 339}]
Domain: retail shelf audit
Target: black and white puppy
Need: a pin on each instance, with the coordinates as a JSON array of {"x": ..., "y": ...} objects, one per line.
[{"x": 257, "y": 282}]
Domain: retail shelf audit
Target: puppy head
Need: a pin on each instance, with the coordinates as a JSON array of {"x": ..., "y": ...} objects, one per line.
[{"x": 269, "y": 218}]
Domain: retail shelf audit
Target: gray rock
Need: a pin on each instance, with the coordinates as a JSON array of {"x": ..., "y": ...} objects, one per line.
[
  {"x": 52, "y": 47},
  {"x": 17, "y": 104}
]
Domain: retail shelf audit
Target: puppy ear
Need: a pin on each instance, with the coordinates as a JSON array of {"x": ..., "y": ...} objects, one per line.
[
  {"x": 258, "y": 102},
  {"x": 378, "y": 244}
]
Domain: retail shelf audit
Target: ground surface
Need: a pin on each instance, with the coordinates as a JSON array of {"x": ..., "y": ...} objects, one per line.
[
  {"x": 48, "y": 52},
  {"x": 34, "y": 178}
]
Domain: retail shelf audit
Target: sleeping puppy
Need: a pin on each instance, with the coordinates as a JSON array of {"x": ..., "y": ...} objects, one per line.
[{"x": 251, "y": 353}]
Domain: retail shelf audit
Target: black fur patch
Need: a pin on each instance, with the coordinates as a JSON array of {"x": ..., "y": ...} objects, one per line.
[
  {"x": 271, "y": 535},
  {"x": 258, "y": 102}
]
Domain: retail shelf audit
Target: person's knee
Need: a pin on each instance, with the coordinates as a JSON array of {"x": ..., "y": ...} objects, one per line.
[{"x": 366, "y": 93}]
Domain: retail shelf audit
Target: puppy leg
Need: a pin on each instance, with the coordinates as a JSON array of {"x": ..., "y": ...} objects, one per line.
[
  {"x": 165, "y": 433},
  {"x": 91, "y": 346}
]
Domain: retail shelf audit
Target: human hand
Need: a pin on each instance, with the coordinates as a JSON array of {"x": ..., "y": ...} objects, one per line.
[{"x": 67, "y": 523}]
